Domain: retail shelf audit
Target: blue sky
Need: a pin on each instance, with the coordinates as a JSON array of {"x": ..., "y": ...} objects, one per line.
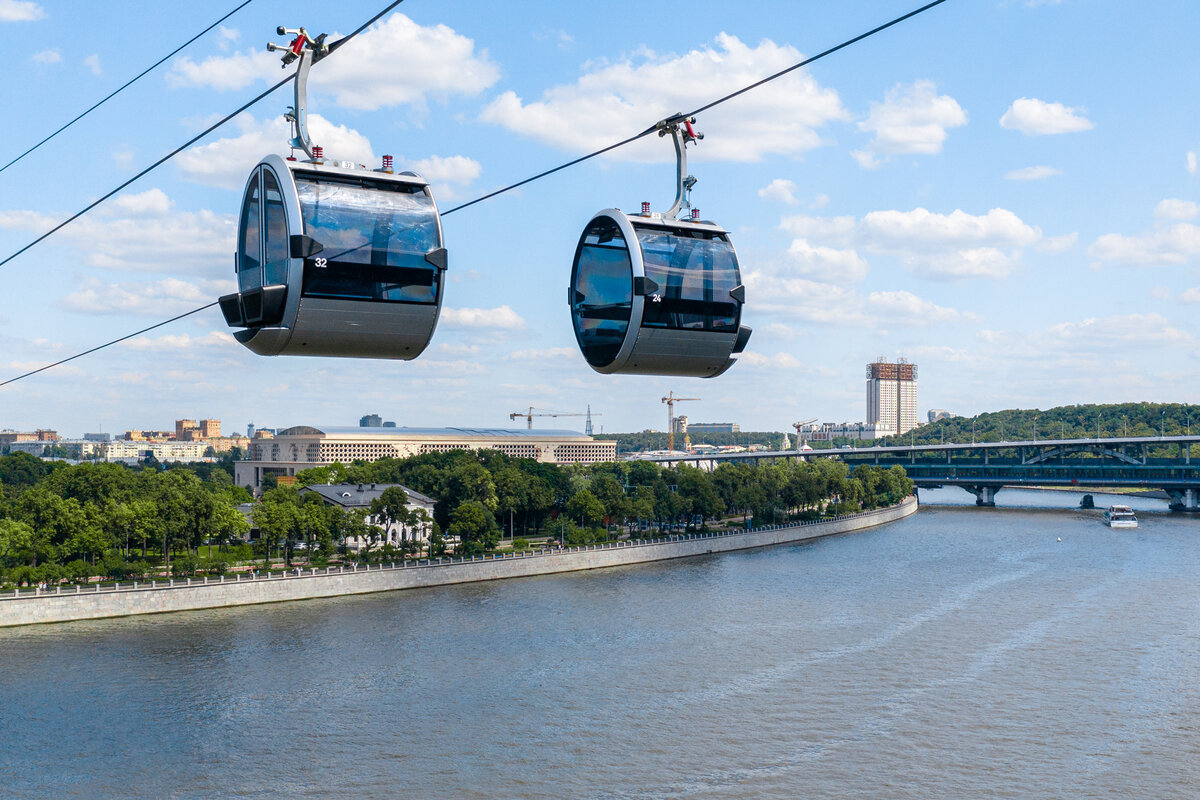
[{"x": 1002, "y": 191}]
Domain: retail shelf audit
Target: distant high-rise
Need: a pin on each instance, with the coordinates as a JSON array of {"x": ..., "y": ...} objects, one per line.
[
  {"x": 371, "y": 421},
  {"x": 892, "y": 396}
]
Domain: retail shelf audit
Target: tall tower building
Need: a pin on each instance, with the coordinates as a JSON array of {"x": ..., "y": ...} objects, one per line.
[{"x": 892, "y": 396}]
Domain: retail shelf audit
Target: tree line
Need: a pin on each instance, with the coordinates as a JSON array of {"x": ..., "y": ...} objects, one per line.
[{"x": 72, "y": 522}]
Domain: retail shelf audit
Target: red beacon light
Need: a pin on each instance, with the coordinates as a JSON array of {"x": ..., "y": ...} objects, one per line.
[
  {"x": 645, "y": 209},
  {"x": 387, "y": 164},
  {"x": 695, "y": 213}
]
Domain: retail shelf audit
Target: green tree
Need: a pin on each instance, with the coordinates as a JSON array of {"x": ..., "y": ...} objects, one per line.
[
  {"x": 229, "y": 524},
  {"x": 586, "y": 508},
  {"x": 16, "y": 541},
  {"x": 608, "y": 490},
  {"x": 475, "y": 526}
]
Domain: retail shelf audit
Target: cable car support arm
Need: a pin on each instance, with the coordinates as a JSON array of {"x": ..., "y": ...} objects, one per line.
[{"x": 308, "y": 52}]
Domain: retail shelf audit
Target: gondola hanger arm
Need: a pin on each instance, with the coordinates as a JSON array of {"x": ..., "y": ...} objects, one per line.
[
  {"x": 307, "y": 51},
  {"x": 679, "y": 128}
]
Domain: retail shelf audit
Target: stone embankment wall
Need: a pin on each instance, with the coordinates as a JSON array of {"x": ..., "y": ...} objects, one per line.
[{"x": 26, "y": 608}]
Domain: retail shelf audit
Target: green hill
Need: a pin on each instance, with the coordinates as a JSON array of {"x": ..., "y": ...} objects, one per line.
[{"x": 1069, "y": 422}]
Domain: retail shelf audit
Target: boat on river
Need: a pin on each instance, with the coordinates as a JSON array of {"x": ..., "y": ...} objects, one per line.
[{"x": 1120, "y": 517}]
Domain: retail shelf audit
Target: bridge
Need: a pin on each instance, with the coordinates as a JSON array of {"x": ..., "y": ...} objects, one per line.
[{"x": 984, "y": 468}]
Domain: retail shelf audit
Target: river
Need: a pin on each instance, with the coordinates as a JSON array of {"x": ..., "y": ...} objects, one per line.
[{"x": 961, "y": 652}]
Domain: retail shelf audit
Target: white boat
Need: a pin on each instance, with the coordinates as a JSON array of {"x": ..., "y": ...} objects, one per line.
[{"x": 1120, "y": 517}]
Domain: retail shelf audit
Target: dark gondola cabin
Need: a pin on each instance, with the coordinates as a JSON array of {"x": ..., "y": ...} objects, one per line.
[
  {"x": 653, "y": 295},
  {"x": 334, "y": 259}
]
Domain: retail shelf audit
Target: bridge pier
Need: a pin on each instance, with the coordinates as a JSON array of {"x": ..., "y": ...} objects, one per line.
[
  {"x": 1184, "y": 499},
  {"x": 984, "y": 495}
]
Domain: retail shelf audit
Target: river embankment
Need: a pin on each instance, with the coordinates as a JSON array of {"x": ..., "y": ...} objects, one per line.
[{"x": 189, "y": 594}]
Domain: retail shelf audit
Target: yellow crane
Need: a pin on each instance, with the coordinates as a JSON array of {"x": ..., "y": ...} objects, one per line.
[
  {"x": 671, "y": 400},
  {"x": 533, "y": 412}
]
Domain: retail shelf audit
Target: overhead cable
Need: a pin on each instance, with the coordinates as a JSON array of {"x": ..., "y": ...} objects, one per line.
[
  {"x": 108, "y": 344},
  {"x": 717, "y": 102},
  {"x": 510, "y": 187},
  {"x": 191, "y": 141},
  {"x": 128, "y": 83}
]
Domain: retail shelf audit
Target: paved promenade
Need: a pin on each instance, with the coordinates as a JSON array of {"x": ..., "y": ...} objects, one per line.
[{"x": 187, "y": 594}]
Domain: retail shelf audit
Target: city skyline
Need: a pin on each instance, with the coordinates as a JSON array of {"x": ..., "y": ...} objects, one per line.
[{"x": 1001, "y": 221}]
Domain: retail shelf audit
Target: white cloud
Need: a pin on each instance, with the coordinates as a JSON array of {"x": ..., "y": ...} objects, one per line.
[
  {"x": 395, "y": 62},
  {"x": 544, "y": 354},
  {"x": 92, "y": 62},
  {"x": 226, "y": 73},
  {"x": 945, "y": 246},
  {"x": 1034, "y": 117},
  {"x": 141, "y": 233},
  {"x": 779, "y": 190},
  {"x": 1032, "y": 173},
  {"x": 1121, "y": 331},
  {"x": 227, "y": 162},
  {"x": 906, "y": 306},
  {"x": 165, "y": 297},
  {"x": 615, "y": 100},
  {"x": 827, "y": 263},
  {"x": 975, "y": 262},
  {"x": 826, "y": 303},
  {"x": 450, "y": 169},
  {"x": 902, "y": 229},
  {"x": 150, "y": 203},
  {"x": 1191, "y": 295},
  {"x": 1191, "y": 163},
  {"x": 799, "y": 298},
  {"x": 176, "y": 342},
  {"x": 502, "y": 318},
  {"x": 51, "y": 56},
  {"x": 911, "y": 119},
  {"x": 774, "y": 361},
  {"x": 1175, "y": 210},
  {"x": 1166, "y": 246},
  {"x": 20, "y": 11}
]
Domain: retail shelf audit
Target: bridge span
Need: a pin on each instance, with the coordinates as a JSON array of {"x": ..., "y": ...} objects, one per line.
[{"x": 984, "y": 468}]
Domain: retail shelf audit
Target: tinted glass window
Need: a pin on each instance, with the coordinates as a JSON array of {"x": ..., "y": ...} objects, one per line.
[
  {"x": 694, "y": 270},
  {"x": 375, "y": 235},
  {"x": 275, "y": 245},
  {"x": 603, "y": 291},
  {"x": 249, "y": 265}
]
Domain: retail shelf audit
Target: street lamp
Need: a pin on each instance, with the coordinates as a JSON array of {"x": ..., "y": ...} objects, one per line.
[
  {"x": 1162, "y": 424},
  {"x": 1099, "y": 418},
  {"x": 1035, "y": 419},
  {"x": 972, "y": 430}
]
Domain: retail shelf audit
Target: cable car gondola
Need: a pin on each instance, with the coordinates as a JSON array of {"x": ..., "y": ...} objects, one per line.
[
  {"x": 334, "y": 259},
  {"x": 654, "y": 295}
]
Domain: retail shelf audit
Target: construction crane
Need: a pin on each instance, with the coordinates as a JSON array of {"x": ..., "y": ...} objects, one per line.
[
  {"x": 533, "y": 412},
  {"x": 798, "y": 426},
  {"x": 671, "y": 400}
]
